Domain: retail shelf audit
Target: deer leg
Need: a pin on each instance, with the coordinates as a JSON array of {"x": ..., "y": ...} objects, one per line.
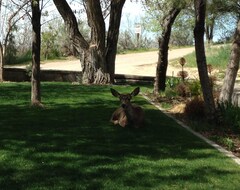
[{"x": 119, "y": 117}]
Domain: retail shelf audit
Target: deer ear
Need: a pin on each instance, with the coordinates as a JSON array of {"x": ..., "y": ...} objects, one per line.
[
  {"x": 135, "y": 92},
  {"x": 114, "y": 92}
]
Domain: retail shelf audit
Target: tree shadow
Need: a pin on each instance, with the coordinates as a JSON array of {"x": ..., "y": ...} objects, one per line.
[{"x": 72, "y": 145}]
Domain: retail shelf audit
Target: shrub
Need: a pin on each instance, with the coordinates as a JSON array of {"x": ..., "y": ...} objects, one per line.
[
  {"x": 20, "y": 59},
  {"x": 195, "y": 108},
  {"x": 170, "y": 92},
  {"x": 172, "y": 82},
  {"x": 29, "y": 70},
  {"x": 230, "y": 115},
  {"x": 194, "y": 87},
  {"x": 227, "y": 142},
  {"x": 182, "y": 89}
]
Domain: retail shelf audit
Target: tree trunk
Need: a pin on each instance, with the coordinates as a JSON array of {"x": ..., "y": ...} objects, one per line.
[
  {"x": 36, "y": 46},
  {"x": 1, "y": 54},
  {"x": 200, "y": 8},
  {"x": 209, "y": 29},
  {"x": 161, "y": 71},
  {"x": 97, "y": 60},
  {"x": 232, "y": 68},
  {"x": 1, "y": 63},
  {"x": 209, "y": 33},
  {"x": 112, "y": 38}
]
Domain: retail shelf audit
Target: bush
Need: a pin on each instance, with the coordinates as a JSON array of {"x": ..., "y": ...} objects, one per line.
[
  {"x": 172, "y": 82},
  {"x": 194, "y": 87},
  {"x": 230, "y": 115},
  {"x": 24, "y": 58},
  {"x": 170, "y": 92},
  {"x": 182, "y": 89},
  {"x": 195, "y": 108}
]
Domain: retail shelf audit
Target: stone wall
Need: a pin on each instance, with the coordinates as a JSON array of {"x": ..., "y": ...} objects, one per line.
[{"x": 20, "y": 75}]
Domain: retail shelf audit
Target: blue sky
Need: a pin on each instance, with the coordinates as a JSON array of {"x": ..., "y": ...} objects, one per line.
[{"x": 131, "y": 14}]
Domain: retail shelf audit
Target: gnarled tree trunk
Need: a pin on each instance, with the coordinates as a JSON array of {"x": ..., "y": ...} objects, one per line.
[
  {"x": 161, "y": 71},
  {"x": 232, "y": 68},
  {"x": 97, "y": 56}
]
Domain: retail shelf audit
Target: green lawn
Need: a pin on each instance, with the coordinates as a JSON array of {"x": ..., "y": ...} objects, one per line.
[{"x": 71, "y": 145}]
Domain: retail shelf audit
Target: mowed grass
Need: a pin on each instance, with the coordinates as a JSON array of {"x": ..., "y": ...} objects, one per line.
[{"x": 71, "y": 145}]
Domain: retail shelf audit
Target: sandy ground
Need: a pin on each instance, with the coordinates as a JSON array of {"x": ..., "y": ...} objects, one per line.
[{"x": 133, "y": 64}]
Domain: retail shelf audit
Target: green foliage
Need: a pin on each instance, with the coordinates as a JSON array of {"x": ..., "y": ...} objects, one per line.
[
  {"x": 224, "y": 141},
  {"x": 70, "y": 144},
  {"x": 230, "y": 115},
  {"x": 174, "y": 87},
  {"x": 228, "y": 143},
  {"x": 157, "y": 11},
  {"x": 49, "y": 48},
  {"x": 172, "y": 82},
  {"x": 182, "y": 28},
  {"x": 194, "y": 87},
  {"x": 11, "y": 51},
  {"x": 24, "y": 58},
  {"x": 29, "y": 70},
  {"x": 170, "y": 92}
]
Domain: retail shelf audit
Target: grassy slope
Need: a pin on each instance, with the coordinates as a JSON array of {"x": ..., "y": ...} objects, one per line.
[
  {"x": 71, "y": 145},
  {"x": 217, "y": 56}
]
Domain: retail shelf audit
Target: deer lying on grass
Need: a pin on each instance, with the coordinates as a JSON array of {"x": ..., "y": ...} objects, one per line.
[{"x": 127, "y": 113}]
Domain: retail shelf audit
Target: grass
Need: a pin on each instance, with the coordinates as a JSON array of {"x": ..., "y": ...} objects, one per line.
[
  {"x": 218, "y": 57},
  {"x": 71, "y": 145}
]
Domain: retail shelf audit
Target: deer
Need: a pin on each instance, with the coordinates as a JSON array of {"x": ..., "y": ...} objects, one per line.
[{"x": 127, "y": 113}]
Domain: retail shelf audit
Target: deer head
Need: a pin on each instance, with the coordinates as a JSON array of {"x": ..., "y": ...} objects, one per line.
[{"x": 125, "y": 99}]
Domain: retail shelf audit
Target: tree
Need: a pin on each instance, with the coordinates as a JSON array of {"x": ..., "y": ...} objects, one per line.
[
  {"x": 1, "y": 51},
  {"x": 215, "y": 10},
  {"x": 36, "y": 47},
  {"x": 182, "y": 28},
  {"x": 12, "y": 15},
  {"x": 163, "y": 41},
  {"x": 166, "y": 12},
  {"x": 200, "y": 8},
  {"x": 232, "y": 67},
  {"x": 97, "y": 56},
  {"x": 11, "y": 50}
]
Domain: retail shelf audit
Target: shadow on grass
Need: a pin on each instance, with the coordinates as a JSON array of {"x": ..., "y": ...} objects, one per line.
[{"x": 72, "y": 145}]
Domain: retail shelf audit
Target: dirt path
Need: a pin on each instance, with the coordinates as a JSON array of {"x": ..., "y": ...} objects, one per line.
[{"x": 133, "y": 64}]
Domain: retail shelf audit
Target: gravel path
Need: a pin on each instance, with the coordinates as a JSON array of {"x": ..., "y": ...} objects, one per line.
[{"x": 133, "y": 64}]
